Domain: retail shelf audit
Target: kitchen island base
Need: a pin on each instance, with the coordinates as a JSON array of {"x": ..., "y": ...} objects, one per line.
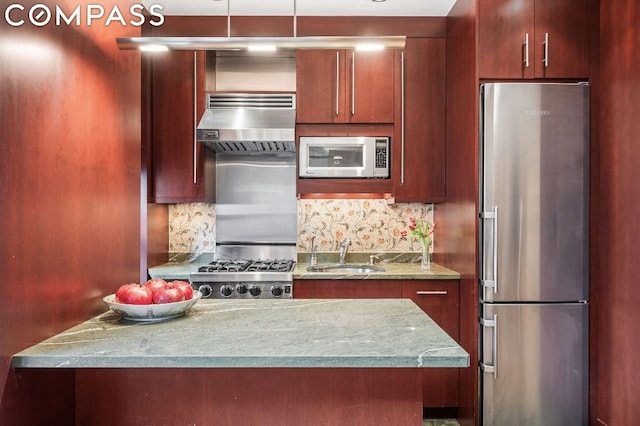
[
  {"x": 253, "y": 362},
  {"x": 263, "y": 396}
]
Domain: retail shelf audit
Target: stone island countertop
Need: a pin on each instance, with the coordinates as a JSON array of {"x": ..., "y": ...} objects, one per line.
[{"x": 322, "y": 333}]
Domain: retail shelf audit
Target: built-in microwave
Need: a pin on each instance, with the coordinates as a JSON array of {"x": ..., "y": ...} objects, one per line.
[{"x": 343, "y": 157}]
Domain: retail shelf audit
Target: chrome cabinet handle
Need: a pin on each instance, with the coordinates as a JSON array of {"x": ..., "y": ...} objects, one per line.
[
  {"x": 195, "y": 117},
  {"x": 526, "y": 50},
  {"x": 545, "y": 60},
  {"x": 491, "y": 368},
  {"x": 432, "y": 292},
  {"x": 353, "y": 83},
  {"x": 337, "y": 83},
  {"x": 402, "y": 95}
]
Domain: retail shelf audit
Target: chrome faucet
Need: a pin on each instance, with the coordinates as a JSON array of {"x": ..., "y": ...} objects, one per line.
[
  {"x": 314, "y": 257},
  {"x": 343, "y": 247}
]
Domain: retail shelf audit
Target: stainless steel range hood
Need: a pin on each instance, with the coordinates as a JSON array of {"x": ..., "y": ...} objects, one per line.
[{"x": 249, "y": 123}]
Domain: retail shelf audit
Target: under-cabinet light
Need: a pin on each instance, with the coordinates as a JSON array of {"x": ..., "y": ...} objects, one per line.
[
  {"x": 369, "y": 47},
  {"x": 244, "y": 43},
  {"x": 261, "y": 48},
  {"x": 154, "y": 48}
]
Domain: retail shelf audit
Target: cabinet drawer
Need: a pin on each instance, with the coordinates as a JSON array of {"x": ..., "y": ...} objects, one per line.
[
  {"x": 439, "y": 299},
  {"x": 346, "y": 289}
]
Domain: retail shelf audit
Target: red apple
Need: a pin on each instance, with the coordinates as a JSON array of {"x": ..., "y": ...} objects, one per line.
[
  {"x": 168, "y": 294},
  {"x": 185, "y": 287},
  {"x": 134, "y": 294},
  {"x": 155, "y": 284}
]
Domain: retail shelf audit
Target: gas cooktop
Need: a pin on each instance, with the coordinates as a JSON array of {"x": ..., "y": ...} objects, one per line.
[
  {"x": 247, "y": 265},
  {"x": 245, "y": 278}
]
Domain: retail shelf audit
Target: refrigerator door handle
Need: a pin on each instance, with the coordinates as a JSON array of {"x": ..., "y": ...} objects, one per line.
[
  {"x": 493, "y": 215},
  {"x": 486, "y": 323}
]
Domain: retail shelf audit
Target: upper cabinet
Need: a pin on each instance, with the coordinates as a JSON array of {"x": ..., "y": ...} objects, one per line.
[
  {"x": 181, "y": 169},
  {"x": 344, "y": 86},
  {"x": 533, "y": 39},
  {"x": 419, "y": 149}
]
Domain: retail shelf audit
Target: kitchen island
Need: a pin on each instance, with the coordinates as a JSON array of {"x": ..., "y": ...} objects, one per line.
[{"x": 264, "y": 362}]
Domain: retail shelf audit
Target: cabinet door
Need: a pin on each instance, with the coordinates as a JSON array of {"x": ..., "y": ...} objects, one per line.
[
  {"x": 319, "y": 77},
  {"x": 178, "y": 161},
  {"x": 370, "y": 87},
  {"x": 505, "y": 30},
  {"x": 562, "y": 38},
  {"x": 346, "y": 289},
  {"x": 440, "y": 300},
  {"x": 344, "y": 86},
  {"x": 419, "y": 160},
  {"x": 533, "y": 38}
]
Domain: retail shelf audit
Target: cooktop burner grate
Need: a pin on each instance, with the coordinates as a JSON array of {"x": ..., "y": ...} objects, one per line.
[{"x": 278, "y": 265}]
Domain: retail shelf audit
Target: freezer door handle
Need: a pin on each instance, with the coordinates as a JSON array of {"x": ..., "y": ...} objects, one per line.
[
  {"x": 486, "y": 323},
  {"x": 492, "y": 215}
]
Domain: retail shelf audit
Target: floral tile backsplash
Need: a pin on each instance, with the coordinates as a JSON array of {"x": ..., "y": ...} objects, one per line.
[
  {"x": 192, "y": 228},
  {"x": 372, "y": 225}
]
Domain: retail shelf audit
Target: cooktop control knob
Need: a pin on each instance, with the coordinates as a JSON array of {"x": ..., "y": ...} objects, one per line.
[
  {"x": 255, "y": 290},
  {"x": 226, "y": 290},
  {"x": 276, "y": 291},
  {"x": 205, "y": 290},
  {"x": 242, "y": 288}
]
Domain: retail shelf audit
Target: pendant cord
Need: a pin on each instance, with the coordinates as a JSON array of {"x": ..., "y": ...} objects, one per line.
[
  {"x": 228, "y": 18},
  {"x": 295, "y": 20}
]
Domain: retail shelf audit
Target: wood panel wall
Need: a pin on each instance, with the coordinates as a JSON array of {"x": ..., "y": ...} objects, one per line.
[
  {"x": 615, "y": 226},
  {"x": 458, "y": 215},
  {"x": 69, "y": 194}
]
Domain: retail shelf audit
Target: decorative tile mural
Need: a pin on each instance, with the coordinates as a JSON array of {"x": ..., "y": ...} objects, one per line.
[
  {"x": 371, "y": 225},
  {"x": 192, "y": 228}
]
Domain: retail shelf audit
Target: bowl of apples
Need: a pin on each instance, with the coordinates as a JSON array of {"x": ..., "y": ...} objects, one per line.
[{"x": 155, "y": 300}]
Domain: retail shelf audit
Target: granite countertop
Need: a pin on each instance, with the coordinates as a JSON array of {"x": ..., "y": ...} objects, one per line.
[
  {"x": 397, "y": 266},
  {"x": 180, "y": 266},
  {"x": 322, "y": 333},
  {"x": 392, "y": 271}
]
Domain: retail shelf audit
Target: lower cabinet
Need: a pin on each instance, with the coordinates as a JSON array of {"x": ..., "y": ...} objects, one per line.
[
  {"x": 440, "y": 300},
  {"x": 347, "y": 289},
  {"x": 437, "y": 298}
]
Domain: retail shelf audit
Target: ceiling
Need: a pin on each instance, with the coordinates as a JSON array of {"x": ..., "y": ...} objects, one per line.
[{"x": 304, "y": 7}]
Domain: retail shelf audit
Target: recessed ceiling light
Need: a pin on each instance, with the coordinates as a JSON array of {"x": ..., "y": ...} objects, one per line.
[{"x": 378, "y": 1}]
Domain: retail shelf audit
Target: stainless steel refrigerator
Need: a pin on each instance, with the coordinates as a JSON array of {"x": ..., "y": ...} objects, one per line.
[{"x": 534, "y": 246}]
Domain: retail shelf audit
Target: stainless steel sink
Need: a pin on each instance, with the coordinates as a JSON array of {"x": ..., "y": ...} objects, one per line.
[{"x": 346, "y": 268}]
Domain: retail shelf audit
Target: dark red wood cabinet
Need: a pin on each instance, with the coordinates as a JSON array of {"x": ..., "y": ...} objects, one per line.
[
  {"x": 437, "y": 298},
  {"x": 181, "y": 169},
  {"x": 412, "y": 112},
  {"x": 440, "y": 300},
  {"x": 347, "y": 289},
  {"x": 344, "y": 86},
  {"x": 533, "y": 39},
  {"x": 418, "y": 163}
]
